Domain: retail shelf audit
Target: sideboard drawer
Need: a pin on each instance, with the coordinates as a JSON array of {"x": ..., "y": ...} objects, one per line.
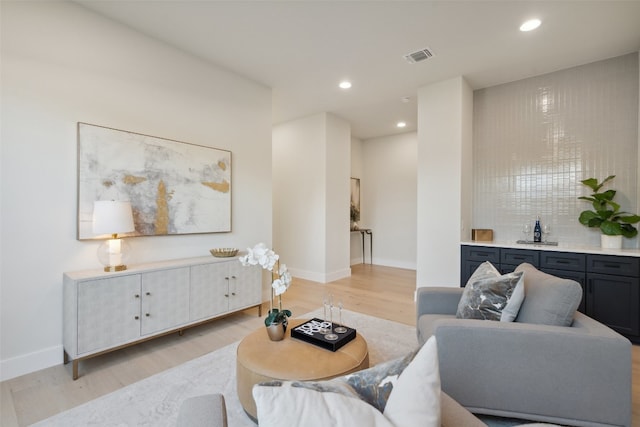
[
  {"x": 516, "y": 257},
  {"x": 615, "y": 265},
  {"x": 563, "y": 261},
  {"x": 481, "y": 253}
]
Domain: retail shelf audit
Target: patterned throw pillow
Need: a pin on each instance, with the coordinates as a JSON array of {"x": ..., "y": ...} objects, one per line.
[
  {"x": 487, "y": 293},
  {"x": 403, "y": 392}
]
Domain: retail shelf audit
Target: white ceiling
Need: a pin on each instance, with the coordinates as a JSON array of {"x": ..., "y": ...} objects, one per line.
[{"x": 302, "y": 49}]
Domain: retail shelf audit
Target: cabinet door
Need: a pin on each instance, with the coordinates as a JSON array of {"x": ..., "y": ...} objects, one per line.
[
  {"x": 245, "y": 286},
  {"x": 108, "y": 312},
  {"x": 208, "y": 289},
  {"x": 165, "y": 300},
  {"x": 614, "y": 301},
  {"x": 472, "y": 256}
]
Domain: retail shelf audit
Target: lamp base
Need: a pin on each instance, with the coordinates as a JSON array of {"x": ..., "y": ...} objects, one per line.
[{"x": 112, "y": 268}]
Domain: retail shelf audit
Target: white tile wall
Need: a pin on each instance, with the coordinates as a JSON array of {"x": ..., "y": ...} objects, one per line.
[{"x": 534, "y": 140}]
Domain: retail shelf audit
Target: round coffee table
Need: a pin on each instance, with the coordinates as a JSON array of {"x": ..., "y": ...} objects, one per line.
[{"x": 260, "y": 359}]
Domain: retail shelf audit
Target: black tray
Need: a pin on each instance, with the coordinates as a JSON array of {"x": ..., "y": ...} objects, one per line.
[{"x": 308, "y": 331}]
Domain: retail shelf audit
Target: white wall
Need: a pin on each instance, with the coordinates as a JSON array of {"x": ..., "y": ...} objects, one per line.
[
  {"x": 356, "y": 172},
  {"x": 444, "y": 121},
  {"x": 338, "y": 183},
  {"x": 389, "y": 200},
  {"x": 62, "y": 64},
  {"x": 299, "y": 195},
  {"x": 311, "y": 166},
  {"x": 535, "y": 139}
]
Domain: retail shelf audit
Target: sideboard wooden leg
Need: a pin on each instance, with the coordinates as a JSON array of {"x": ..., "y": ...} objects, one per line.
[{"x": 75, "y": 369}]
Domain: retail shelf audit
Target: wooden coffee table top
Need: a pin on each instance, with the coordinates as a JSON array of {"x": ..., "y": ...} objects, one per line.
[{"x": 293, "y": 359}]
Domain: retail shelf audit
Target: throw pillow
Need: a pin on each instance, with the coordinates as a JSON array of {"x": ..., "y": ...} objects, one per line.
[
  {"x": 487, "y": 292},
  {"x": 415, "y": 399},
  {"x": 510, "y": 311},
  {"x": 337, "y": 402},
  {"x": 550, "y": 300}
]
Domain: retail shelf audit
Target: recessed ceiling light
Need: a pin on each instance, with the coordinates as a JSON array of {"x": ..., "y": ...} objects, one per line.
[
  {"x": 531, "y": 24},
  {"x": 345, "y": 85},
  {"x": 401, "y": 124}
]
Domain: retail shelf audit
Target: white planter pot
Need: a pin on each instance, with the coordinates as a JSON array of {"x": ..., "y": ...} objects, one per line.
[{"x": 610, "y": 242}]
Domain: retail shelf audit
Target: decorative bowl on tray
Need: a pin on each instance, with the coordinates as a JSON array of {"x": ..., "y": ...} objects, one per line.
[{"x": 223, "y": 252}]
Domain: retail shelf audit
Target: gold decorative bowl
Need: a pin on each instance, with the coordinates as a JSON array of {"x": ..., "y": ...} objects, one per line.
[{"x": 223, "y": 252}]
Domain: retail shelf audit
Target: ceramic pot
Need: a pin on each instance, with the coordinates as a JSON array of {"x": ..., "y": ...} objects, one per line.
[
  {"x": 276, "y": 331},
  {"x": 610, "y": 242}
]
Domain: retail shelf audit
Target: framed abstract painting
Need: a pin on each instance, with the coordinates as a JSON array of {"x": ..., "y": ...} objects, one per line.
[{"x": 174, "y": 187}]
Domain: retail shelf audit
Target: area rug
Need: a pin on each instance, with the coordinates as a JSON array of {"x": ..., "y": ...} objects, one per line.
[{"x": 155, "y": 401}]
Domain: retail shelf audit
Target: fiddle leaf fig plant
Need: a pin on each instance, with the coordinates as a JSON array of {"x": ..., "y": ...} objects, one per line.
[{"x": 606, "y": 213}]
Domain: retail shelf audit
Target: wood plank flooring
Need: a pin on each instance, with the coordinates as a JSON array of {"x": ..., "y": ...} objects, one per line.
[{"x": 375, "y": 290}]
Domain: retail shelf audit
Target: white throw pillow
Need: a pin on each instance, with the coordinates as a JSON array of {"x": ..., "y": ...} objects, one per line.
[
  {"x": 278, "y": 406},
  {"x": 416, "y": 401}
]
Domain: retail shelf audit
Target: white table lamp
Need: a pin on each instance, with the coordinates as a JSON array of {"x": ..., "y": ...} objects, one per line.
[{"x": 113, "y": 217}]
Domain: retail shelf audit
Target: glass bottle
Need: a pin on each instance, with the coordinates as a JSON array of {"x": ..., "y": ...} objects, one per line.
[{"x": 537, "y": 231}]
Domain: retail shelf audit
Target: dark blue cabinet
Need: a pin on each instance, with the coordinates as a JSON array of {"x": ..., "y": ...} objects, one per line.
[{"x": 610, "y": 283}]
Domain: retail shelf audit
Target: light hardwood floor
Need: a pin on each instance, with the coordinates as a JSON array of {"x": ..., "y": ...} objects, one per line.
[{"x": 378, "y": 291}]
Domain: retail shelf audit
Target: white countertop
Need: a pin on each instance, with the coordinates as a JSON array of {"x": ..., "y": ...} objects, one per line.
[{"x": 560, "y": 248}]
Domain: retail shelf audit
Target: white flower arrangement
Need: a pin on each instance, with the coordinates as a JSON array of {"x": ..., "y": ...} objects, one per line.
[{"x": 261, "y": 255}]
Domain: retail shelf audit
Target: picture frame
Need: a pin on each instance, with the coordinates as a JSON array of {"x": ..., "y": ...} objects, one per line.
[
  {"x": 174, "y": 187},
  {"x": 355, "y": 200}
]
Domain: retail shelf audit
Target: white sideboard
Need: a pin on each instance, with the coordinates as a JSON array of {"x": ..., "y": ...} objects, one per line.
[{"x": 107, "y": 311}]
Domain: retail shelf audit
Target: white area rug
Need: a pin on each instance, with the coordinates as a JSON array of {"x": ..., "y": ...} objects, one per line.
[{"x": 155, "y": 401}]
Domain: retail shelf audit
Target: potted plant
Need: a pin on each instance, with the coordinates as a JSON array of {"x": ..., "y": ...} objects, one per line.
[
  {"x": 276, "y": 321},
  {"x": 606, "y": 215}
]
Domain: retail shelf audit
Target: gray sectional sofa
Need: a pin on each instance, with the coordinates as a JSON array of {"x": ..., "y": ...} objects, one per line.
[{"x": 577, "y": 375}]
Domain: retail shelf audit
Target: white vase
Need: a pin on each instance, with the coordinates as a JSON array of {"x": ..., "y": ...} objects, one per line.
[{"x": 610, "y": 242}]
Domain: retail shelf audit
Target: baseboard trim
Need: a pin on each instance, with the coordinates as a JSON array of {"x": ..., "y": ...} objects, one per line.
[
  {"x": 320, "y": 277},
  {"x": 394, "y": 263},
  {"x": 30, "y": 362}
]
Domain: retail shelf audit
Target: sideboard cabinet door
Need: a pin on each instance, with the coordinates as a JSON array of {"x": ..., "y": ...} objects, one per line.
[
  {"x": 108, "y": 312},
  {"x": 165, "y": 300},
  {"x": 245, "y": 286},
  {"x": 208, "y": 292}
]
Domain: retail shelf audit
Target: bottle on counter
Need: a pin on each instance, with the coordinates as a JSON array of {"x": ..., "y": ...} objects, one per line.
[{"x": 537, "y": 231}]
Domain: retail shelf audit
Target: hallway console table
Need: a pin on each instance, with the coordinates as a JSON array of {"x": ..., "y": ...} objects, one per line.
[
  {"x": 363, "y": 232},
  {"x": 106, "y": 311},
  {"x": 610, "y": 280}
]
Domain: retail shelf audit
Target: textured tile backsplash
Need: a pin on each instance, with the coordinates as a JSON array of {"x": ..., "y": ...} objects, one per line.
[{"x": 534, "y": 140}]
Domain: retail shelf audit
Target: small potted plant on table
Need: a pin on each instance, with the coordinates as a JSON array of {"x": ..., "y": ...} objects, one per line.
[{"x": 277, "y": 319}]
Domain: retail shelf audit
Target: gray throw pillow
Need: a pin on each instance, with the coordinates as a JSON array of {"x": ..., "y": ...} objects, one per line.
[
  {"x": 487, "y": 293},
  {"x": 550, "y": 300}
]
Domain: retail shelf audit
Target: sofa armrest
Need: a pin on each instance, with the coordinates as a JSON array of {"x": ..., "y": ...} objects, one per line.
[
  {"x": 437, "y": 300},
  {"x": 578, "y": 375},
  {"x": 203, "y": 411}
]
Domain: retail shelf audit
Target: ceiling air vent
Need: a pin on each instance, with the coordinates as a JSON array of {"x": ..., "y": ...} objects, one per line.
[{"x": 419, "y": 55}]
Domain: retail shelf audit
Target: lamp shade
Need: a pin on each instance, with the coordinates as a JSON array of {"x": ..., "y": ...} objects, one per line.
[{"x": 112, "y": 217}]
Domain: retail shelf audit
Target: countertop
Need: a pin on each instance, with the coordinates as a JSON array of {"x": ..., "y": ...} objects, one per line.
[{"x": 560, "y": 248}]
